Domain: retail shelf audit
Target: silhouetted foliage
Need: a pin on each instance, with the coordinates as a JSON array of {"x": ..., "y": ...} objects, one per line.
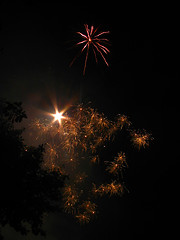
[{"x": 27, "y": 191}]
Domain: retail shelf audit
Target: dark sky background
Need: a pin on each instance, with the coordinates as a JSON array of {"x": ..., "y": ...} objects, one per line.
[{"x": 36, "y": 42}]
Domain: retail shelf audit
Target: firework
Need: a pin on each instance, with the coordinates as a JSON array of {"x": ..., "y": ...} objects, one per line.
[
  {"x": 89, "y": 207},
  {"x": 140, "y": 138},
  {"x": 83, "y": 218},
  {"x": 51, "y": 153},
  {"x": 70, "y": 198},
  {"x": 93, "y": 39},
  {"x": 73, "y": 141},
  {"x": 88, "y": 210},
  {"x": 123, "y": 121},
  {"x": 114, "y": 188},
  {"x": 117, "y": 165}
]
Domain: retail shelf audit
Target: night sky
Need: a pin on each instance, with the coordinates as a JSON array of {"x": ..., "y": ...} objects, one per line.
[{"x": 36, "y": 48}]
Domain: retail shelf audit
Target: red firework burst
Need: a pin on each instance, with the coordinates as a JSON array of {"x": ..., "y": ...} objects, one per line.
[{"x": 94, "y": 40}]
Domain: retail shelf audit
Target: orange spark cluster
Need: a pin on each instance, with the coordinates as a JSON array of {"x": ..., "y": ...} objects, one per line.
[
  {"x": 113, "y": 188},
  {"x": 72, "y": 148},
  {"x": 140, "y": 138},
  {"x": 117, "y": 165}
]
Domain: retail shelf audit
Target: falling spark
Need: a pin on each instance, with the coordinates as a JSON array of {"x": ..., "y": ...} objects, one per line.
[
  {"x": 113, "y": 188},
  {"x": 123, "y": 121},
  {"x": 94, "y": 40}
]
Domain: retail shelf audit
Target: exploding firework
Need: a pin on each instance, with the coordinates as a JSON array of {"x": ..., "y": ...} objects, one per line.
[
  {"x": 83, "y": 218},
  {"x": 117, "y": 165},
  {"x": 113, "y": 188},
  {"x": 87, "y": 211},
  {"x": 140, "y": 138},
  {"x": 94, "y": 40},
  {"x": 70, "y": 198},
  {"x": 73, "y": 140}
]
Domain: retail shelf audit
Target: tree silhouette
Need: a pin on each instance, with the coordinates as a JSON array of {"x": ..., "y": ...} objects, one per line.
[{"x": 27, "y": 190}]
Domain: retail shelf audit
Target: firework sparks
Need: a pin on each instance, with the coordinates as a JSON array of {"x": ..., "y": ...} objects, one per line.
[
  {"x": 94, "y": 40},
  {"x": 101, "y": 190},
  {"x": 140, "y": 138},
  {"x": 89, "y": 207},
  {"x": 117, "y": 165},
  {"x": 88, "y": 210},
  {"x": 72, "y": 147},
  {"x": 114, "y": 188},
  {"x": 70, "y": 197},
  {"x": 83, "y": 218}
]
